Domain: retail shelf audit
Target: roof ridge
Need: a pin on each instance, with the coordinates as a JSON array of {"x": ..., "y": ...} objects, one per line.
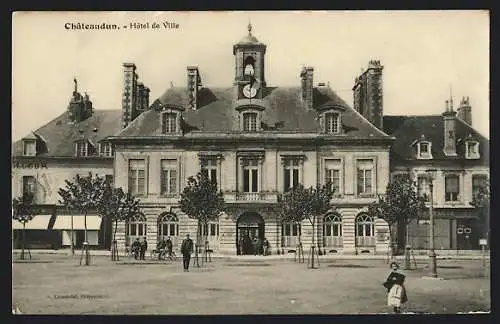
[{"x": 364, "y": 119}]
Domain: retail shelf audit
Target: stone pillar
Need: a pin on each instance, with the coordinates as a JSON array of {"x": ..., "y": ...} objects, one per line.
[{"x": 348, "y": 231}]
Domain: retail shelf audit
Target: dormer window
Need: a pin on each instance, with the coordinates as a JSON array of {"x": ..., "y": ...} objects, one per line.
[
  {"x": 105, "y": 149},
  {"x": 332, "y": 123},
  {"x": 250, "y": 122},
  {"x": 82, "y": 148},
  {"x": 29, "y": 147},
  {"x": 424, "y": 150},
  {"x": 169, "y": 122},
  {"x": 471, "y": 150}
]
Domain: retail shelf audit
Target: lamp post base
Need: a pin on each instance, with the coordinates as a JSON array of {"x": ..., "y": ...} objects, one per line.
[{"x": 433, "y": 265}]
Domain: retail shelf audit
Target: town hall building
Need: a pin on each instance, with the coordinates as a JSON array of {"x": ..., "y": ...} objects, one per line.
[{"x": 255, "y": 140}]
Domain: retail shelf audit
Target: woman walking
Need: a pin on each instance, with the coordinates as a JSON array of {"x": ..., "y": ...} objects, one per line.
[{"x": 396, "y": 292}]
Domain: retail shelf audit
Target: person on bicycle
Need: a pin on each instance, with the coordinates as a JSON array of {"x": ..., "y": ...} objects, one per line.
[
  {"x": 160, "y": 248},
  {"x": 169, "y": 246}
]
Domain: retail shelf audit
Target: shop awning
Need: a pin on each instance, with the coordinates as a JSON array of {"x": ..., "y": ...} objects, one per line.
[
  {"x": 63, "y": 222},
  {"x": 39, "y": 222}
]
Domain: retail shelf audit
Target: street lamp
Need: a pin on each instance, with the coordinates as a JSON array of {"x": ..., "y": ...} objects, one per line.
[{"x": 431, "y": 175}]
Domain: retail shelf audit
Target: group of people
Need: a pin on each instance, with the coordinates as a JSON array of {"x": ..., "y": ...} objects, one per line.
[
  {"x": 164, "y": 248},
  {"x": 139, "y": 248},
  {"x": 255, "y": 246}
]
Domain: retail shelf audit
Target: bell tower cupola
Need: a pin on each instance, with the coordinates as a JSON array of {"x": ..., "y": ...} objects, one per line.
[{"x": 249, "y": 65}]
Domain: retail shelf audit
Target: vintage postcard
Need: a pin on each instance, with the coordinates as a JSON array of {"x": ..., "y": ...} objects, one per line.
[{"x": 280, "y": 162}]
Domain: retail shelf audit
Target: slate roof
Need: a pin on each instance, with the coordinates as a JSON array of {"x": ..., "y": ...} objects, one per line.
[
  {"x": 408, "y": 129},
  {"x": 58, "y": 136},
  {"x": 284, "y": 112}
]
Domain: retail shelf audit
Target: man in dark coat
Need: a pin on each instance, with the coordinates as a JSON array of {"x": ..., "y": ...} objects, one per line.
[
  {"x": 136, "y": 246},
  {"x": 144, "y": 247},
  {"x": 186, "y": 250},
  {"x": 169, "y": 247}
]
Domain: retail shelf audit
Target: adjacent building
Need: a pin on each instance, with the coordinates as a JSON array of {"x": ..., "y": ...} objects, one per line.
[{"x": 72, "y": 143}]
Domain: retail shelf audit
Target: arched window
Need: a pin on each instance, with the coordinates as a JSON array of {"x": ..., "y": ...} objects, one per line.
[
  {"x": 168, "y": 226},
  {"x": 290, "y": 232},
  {"x": 332, "y": 230},
  {"x": 136, "y": 228},
  {"x": 365, "y": 230}
]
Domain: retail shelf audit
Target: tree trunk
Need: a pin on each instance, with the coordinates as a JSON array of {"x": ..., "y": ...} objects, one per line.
[
  {"x": 85, "y": 225},
  {"x": 391, "y": 248},
  {"x": 24, "y": 241},
  {"x": 116, "y": 229},
  {"x": 72, "y": 236}
]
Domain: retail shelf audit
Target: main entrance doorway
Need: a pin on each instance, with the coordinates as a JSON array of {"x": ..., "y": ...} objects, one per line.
[{"x": 249, "y": 234}]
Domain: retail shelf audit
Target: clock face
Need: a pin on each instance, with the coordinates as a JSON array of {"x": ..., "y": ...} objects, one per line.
[{"x": 249, "y": 92}]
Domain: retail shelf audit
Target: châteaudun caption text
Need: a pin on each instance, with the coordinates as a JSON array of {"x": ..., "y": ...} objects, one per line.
[{"x": 131, "y": 26}]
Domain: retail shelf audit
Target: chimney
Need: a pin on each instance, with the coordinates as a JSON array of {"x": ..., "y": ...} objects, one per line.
[
  {"x": 450, "y": 147},
  {"x": 80, "y": 107},
  {"x": 129, "y": 93},
  {"x": 357, "y": 92},
  {"x": 146, "y": 98},
  {"x": 307, "y": 79},
  {"x": 465, "y": 111},
  {"x": 193, "y": 85},
  {"x": 374, "y": 93}
]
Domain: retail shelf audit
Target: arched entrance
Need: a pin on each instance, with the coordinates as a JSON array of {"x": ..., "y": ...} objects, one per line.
[{"x": 249, "y": 230}]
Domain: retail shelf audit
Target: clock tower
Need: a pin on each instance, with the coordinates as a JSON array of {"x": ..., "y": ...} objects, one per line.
[{"x": 249, "y": 67}]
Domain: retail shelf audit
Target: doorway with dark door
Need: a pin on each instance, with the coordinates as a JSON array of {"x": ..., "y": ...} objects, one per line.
[{"x": 249, "y": 234}]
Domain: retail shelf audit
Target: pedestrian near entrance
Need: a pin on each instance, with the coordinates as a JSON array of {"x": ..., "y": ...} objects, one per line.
[
  {"x": 136, "y": 248},
  {"x": 186, "y": 250},
  {"x": 396, "y": 292},
  {"x": 144, "y": 247}
]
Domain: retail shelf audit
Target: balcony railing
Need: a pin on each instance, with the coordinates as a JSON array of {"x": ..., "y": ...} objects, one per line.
[
  {"x": 365, "y": 240},
  {"x": 250, "y": 196},
  {"x": 332, "y": 241},
  {"x": 289, "y": 241}
]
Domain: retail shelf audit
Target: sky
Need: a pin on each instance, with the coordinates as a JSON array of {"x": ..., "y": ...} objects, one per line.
[{"x": 427, "y": 56}]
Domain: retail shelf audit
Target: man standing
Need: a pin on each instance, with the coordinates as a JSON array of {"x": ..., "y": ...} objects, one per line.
[
  {"x": 144, "y": 247},
  {"x": 186, "y": 250},
  {"x": 136, "y": 246}
]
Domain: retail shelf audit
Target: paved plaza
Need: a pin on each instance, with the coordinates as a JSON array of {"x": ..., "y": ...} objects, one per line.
[{"x": 56, "y": 284}]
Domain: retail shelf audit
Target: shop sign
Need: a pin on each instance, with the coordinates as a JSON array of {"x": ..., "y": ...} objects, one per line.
[{"x": 36, "y": 164}]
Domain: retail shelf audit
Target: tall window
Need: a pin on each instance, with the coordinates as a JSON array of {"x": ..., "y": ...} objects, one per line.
[
  {"x": 423, "y": 186},
  {"x": 478, "y": 181},
  {"x": 168, "y": 226},
  {"x": 209, "y": 168},
  {"x": 136, "y": 228},
  {"x": 365, "y": 230},
  {"x": 137, "y": 177},
  {"x": 365, "y": 177},
  {"x": 250, "y": 176},
  {"x": 168, "y": 177},
  {"x": 82, "y": 148},
  {"x": 29, "y": 185},
  {"x": 451, "y": 187},
  {"x": 291, "y": 174},
  {"x": 332, "y": 123},
  {"x": 332, "y": 230},
  {"x": 332, "y": 174},
  {"x": 290, "y": 232},
  {"x": 169, "y": 123},
  {"x": 211, "y": 229},
  {"x": 29, "y": 147},
  {"x": 106, "y": 149},
  {"x": 250, "y": 122}
]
